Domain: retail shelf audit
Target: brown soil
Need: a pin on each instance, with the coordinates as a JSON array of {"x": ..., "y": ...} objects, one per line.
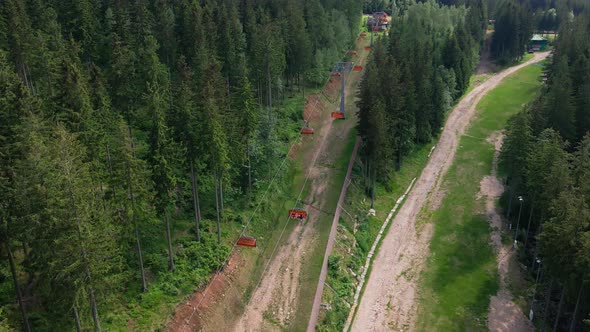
[
  {"x": 504, "y": 314},
  {"x": 312, "y": 109},
  {"x": 187, "y": 317},
  {"x": 274, "y": 302},
  {"x": 389, "y": 300}
]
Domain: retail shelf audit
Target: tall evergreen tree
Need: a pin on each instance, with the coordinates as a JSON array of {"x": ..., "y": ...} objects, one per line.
[{"x": 559, "y": 103}]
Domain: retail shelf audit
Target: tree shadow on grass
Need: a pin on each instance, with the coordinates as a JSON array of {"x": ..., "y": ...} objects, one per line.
[{"x": 463, "y": 271}]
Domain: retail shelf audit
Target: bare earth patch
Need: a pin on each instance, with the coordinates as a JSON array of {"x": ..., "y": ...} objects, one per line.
[
  {"x": 389, "y": 299},
  {"x": 187, "y": 316},
  {"x": 503, "y": 314}
]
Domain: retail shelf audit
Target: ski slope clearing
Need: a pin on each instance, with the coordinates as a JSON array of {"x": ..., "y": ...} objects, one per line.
[{"x": 389, "y": 299}]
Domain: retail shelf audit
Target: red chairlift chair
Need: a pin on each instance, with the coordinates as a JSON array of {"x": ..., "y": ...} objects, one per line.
[
  {"x": 336, "y": 74},
  {"x": 367, "y": 48},
  {"x": 306, "y": 131},
  {"x": 247, "y": 241},
  {"x": 351, "y": 52},
  {"x": 297, "y": 214},
  {"x": 363, "y": 34},
  {"x": 337, "y": 115},
  {"x": 357, "y": 68}
]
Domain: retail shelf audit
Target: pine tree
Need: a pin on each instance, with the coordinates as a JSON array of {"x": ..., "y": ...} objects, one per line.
[
  {"x": 298, "y": 46},
  {"x": 80, "y": 20},
  {"x": 581, "y": 84},
  {"x": 164, "y": 153},
  {"x": 245, "y": 107},
  {"x": 14, "y": 105},
  {"x": 570, "y": 220},
  {"x": 547, "y": 171},
  {"x": 19, "y": 37},
  {"x": 581, "y": 167},
  {"x": 517, "y": 145},
  {"x": 513, "y": 30},
  {"x": 71, "y": 104},
  {"x": 559, "y": 103},
  {"x": 217, "y": 147},
  {"x": 184, "y": 119},
  {"x": 134, "y": 172},
  {"x": 82, "y": 235}
]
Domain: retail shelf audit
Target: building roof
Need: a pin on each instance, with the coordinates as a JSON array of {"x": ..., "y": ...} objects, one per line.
[{"x": 538, "y": 38}]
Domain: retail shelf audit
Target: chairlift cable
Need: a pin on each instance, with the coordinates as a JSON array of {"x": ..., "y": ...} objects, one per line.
[{"x": 196, "y": 307}]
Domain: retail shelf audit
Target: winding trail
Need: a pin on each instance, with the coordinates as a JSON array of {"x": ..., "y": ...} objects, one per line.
[{"x": 389, "y": 299}]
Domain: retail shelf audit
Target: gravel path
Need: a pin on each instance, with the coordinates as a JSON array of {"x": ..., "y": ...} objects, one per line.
[{"x": 389, "y": 300}]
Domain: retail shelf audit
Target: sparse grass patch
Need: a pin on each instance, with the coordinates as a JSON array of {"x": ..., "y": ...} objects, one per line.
[{"x": 461, "y": 273}]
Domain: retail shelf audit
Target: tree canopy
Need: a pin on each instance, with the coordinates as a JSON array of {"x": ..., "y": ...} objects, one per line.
[
  {"x": 120, "y": 120},
  {"x": 545, "y": 154},
  {"x": 413, "y": 77}
]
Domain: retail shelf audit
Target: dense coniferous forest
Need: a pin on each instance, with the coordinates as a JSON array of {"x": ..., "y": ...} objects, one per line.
[
  {"x": 119, "y": 120},
  {"x": 546, "y": 155},
  {"x": 415, "y": 75},
  {"x": 516, "y": 20},
  {"x": 512, "y": 30}
]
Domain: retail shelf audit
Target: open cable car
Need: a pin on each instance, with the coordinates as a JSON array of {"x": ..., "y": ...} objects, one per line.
[
  {"x": 297, "y": 214},
  {"x": 367, "y": 48},
  {"x": 357, "y": 68},
  {"x": 247, "y": 241},
  {"x": 337, "y": 115},
  {"x": 306, "y": 130}
]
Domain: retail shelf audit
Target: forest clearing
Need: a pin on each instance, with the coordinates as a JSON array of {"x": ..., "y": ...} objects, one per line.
[
  {"x": 282, "y": 297},
  {"x": 461, "y": 224}
]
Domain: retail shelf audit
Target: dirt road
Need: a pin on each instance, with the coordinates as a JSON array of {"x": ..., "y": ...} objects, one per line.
[
  {"x": 388, "y": 302},
  {"x": 504, "y": 315}
]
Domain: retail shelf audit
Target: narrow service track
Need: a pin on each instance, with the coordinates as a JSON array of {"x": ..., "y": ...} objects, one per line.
[
  {"x": 389, "y": 299},
  {"x": 275, "y": 301}
]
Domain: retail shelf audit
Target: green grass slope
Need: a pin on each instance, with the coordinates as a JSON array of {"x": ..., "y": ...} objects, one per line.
[{"x": 461, "y": 272}]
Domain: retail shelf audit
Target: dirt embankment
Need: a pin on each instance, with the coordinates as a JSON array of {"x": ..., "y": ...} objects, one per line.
[{"x": 389, "y": 300}]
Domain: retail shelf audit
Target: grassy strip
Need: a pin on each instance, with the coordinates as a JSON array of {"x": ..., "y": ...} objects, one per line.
[{"x": 461, "y": 273}]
